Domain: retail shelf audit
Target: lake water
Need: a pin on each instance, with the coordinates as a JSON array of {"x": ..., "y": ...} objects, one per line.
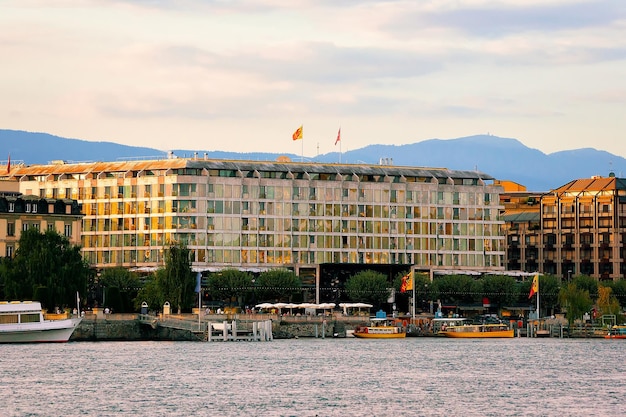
[{"x": 316, "y": 377}]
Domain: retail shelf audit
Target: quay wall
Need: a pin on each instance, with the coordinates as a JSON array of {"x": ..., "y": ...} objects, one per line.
[
  {"x": 127, "y": 327},
  {"x": 97, "y": 329}
]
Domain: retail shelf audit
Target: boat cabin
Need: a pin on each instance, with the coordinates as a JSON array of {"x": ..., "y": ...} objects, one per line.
[{"x": 16, "y": 312}]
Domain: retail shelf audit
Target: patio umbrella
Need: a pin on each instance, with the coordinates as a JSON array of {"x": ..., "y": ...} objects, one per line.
[
  {"x": 280, "y": 306},
  {"x": 291, "y": 306},
  {"x": 327, "y": 306}
]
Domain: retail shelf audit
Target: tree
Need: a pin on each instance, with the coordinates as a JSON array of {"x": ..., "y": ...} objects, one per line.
[
  {"x": 457, "y": 289},
  {"x": 587, "y": 283},
  {"x": 121, "y": 286},
  {"x": 230, "y": 284},
  {"x": 499, "y": 289},
  {"x": 619, "y": 290},
  {"x": 177, "y": 284},
  {"x": 576, "y": 301},
  {"x": 549, "y": 291},
  {"x": 277, "y": 284},
  {"x": 607, "y": 303},
  {"x": 368, "y": 286},
  {"x": 151, "y": 292},
  {"x": 49, "y": 262}
]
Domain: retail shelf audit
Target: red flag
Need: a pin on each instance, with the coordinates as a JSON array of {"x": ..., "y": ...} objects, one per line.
[
  {"x": 9, "y": 165},
  {"x": 338, "y": 137},
  {"x": 297, "y": 134},
  {"x": 534, "y": 288},
  {"x": 404, "y": 283}
]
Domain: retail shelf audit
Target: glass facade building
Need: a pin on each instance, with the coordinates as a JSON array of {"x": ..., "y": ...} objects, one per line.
[{"x": 262, "y": 215}]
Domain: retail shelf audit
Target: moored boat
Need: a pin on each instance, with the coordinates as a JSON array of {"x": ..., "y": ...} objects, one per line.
[
  {"x": 380, "y": 328},
  {"x": 23, "y": 322},
  {"x": 478, "y": 331},
  {"x": 617, "y": 332}
]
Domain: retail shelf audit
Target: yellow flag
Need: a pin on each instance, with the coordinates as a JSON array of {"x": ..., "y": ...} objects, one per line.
[
  {"x": 297, "y": 134},
  {"x": 409, "y": 282},
  {"x": 534, "y": 289}
]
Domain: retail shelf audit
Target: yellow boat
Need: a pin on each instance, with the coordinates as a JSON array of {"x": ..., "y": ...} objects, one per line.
[
  {"x": 617, "y": 332},
  {"x": 380, "y": 328},
  {"x": 478, "y": 331}
]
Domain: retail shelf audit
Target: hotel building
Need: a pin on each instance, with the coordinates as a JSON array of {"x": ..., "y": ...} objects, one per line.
[
  {"x": 578, "y": 228},
  {"x": 261, "y": 215}
]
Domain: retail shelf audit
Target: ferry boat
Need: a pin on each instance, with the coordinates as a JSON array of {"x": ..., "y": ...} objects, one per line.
[
  {"x": 478, "y": 331},
  {"x": 23, "y": 322},
  {"x": 380, "y": 328},
  {"x": 617, "y": 332}
]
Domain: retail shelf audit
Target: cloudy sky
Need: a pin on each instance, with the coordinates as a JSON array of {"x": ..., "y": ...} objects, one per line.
[{"x": 242, "y": 75}]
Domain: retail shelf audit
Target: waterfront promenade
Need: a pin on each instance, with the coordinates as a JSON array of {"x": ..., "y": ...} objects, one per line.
[
  {"x": 104, "y": 327},
  {"x": 128, "y": 327}
]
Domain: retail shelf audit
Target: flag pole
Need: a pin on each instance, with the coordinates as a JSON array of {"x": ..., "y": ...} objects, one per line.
[
  {"x": 413, "y": 306},
  {"x": 537, "y": 297},
  {"x": 302, "y": 152},
  {"x": 339, "y": 150}
]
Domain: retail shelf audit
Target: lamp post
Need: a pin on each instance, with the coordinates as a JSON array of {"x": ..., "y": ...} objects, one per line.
[{"x": 334, "y": 285}]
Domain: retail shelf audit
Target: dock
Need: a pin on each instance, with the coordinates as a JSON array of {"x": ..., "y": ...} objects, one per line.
[{"x": 212, "y": 331}]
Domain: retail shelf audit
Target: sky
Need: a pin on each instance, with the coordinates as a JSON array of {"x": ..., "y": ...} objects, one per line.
[{"x": 243, "y": 75}]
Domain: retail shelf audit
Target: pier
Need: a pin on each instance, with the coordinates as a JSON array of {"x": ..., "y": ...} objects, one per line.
[{"x": 211, "y": 331}]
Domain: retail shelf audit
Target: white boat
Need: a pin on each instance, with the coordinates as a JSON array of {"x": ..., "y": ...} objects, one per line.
[{"x": 23, "y": 322}]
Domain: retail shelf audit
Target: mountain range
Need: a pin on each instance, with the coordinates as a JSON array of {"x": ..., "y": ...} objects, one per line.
[{"x": 502, "y": 158}]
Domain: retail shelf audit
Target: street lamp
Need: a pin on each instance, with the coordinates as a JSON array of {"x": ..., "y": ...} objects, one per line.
[{"x": 569, "y": 275}]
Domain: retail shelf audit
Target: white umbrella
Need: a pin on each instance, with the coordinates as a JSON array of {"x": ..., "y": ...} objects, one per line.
[
  {"x": 264, "y": 305},
  {"x": 291, "y": 306},
  {"x": 280, "y": 306}
]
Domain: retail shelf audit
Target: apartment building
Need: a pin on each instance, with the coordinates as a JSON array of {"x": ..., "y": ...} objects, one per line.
[
  {"x": 20, "y": 212},
  {"x": 260, "y": 215},
  {"x": 578, "y": 228}
]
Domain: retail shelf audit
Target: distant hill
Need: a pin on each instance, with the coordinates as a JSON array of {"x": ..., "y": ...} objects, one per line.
[{"x": 502, "y": 158}]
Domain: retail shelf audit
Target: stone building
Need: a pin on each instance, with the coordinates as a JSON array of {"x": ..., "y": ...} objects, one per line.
[
  {"x": 20, "y": 212},
  {"x": 578, "y": 228}
]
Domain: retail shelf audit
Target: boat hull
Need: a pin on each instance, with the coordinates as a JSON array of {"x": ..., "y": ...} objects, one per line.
[
  {"x": 51, "y": 331},
  {"x": 480, "y": 335},
  {"x": 616, "y": 332},
  {"x": 379, "y": 335}
]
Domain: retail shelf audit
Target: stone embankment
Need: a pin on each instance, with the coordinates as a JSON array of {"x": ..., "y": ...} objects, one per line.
[
  {"x": 128, "y": 327},
  {"x": 125, "y": 329}
]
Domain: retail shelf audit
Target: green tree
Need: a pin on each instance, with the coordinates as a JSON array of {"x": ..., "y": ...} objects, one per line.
[
  {"x": 151, "y": 292},
  {"x": 457, "y": 289},
  {"x": 46, "y": 260},
  {"x": 277, "y": 285},
  {"x": 121, "y": 283},
  {"x": 549, "y": 292},
  {"x": 368, "y": 286},
  {"x": 230, "y": 284},
  {"x": 619, "y": 290},
  {"x": 501, "y": 290},
  {"x": 576, "y": 301},
  {"x": 178, "y": 282},
  {"x": 587, "y": 283}
]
